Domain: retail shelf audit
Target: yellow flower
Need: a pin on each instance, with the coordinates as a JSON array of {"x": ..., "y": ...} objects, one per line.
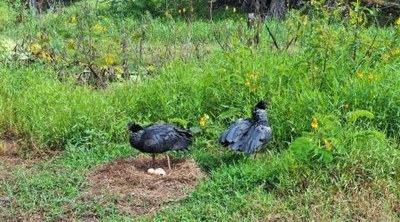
[
  {"x": 73, "y": 18},
  {"x": 346, "y": 106},
  {"x": 99, "y": 28},
  {"x": 35, "y": 48},
  {"x": 45, "y": 56},
  {"x": 203, "y": 120},
  {"x": 314, "y": 123},
  {"x": 398, "y": 21},
  {"x": 328, "y": 145},
  {"x": 179, "y": 11},
  {"x": 360, "y": 75},
  {"x": 370, "y": 76},
  {"x": 247, "y": 82},
  {"x": 395, "y": 51},
  {"x": 234, "y": 9},
  {"x": 255, "y": 75},
  {"x": 109, "y": 60},
  {"x": 385, "y": 57},
  {"x": 251, "y": 81},
  {"x": 226, "y": 8},
  {"x": 184, "y": 10}
]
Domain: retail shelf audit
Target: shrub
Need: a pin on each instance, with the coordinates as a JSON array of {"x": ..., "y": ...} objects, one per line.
[{"x": 7, "y": 15}]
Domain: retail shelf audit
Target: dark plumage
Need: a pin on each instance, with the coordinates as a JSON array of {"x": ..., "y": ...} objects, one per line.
[
  {"x": 246, "y": 135},
  {"x": 159, "y": 138}
]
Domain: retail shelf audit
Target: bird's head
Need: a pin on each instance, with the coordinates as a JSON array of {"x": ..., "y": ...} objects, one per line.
[
  {"x": 133, "y": 127},
  {"x": 261, "y": 105},
  {"x": 259, "y": 111}
]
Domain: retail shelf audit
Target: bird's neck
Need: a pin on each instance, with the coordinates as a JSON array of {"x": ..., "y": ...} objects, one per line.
[
  {"x": 135, "y": 138},
  {"x": 260, "y": 115}
]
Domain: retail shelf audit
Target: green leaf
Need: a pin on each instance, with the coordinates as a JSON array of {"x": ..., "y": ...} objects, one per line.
[
  {"x": 340, "y": 149},
  {"x": 378, "y": 135},
  {"x": 302, "y": 147},
  {"x": 180, "y": 121},
  {"x": 353, "y": 116},
  {"x": 195, "y": 129},
  {"x": 326, "y": 155},
  {"x": 228, "y": 114}
]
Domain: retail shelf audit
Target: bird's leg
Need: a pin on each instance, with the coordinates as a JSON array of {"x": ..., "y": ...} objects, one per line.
[
  {"x": 153, "y": 159},
  {"x": 255, "y": 155},
  {"x": 169, "y": 163}
]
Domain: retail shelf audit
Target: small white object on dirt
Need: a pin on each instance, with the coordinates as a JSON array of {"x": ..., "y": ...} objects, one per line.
[
  {"x": 151, "y": 171},
  {"x": 160, "y": 172}
]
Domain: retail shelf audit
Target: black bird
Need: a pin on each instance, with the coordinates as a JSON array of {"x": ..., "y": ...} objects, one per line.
[
  {"x": 246, "y": 135},
  {"x": 159, "y": 138}
]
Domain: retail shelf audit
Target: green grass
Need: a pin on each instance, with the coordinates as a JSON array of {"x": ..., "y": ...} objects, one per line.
[{"x": 353, "y": 95}]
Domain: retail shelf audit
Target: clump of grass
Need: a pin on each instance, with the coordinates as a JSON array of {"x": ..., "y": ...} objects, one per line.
[
  {"x": 7, "y": 15},
  {"x": 276, "y": 183},
  {"x": 333, "y": 109}
]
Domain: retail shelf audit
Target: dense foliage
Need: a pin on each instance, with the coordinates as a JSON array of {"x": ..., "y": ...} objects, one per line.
[{"x": 69, "y": 83}]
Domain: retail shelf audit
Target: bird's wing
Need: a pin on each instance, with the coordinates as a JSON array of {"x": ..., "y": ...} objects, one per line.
[
  {"x": 182, "y": 132},
  {"x": 256, "y": 136},
  {"x": 163, "y": 137},
  {"x": 234, "y": 132},
  {"x": 159, "y": 127},
  {"x": 159, "y": 141}
]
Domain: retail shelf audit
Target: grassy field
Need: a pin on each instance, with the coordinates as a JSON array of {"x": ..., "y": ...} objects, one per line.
[{"x": 65, "y": 101}]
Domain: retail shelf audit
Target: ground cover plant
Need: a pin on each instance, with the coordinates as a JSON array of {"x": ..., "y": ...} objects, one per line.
[{"x": 73, "y": 77}]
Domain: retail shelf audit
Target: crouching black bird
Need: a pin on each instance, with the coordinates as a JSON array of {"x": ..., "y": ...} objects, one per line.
[
  {"x": 246, "y": 135},
  {"x": 159, "y": 138}
]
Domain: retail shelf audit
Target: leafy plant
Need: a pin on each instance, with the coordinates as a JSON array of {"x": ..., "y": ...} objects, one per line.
[{"x": 328, "y": 137}]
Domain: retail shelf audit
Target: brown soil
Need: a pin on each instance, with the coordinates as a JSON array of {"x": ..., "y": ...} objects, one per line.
[
  {"x": 140, "y": 193},
  {"x": 11, "y": 157}
]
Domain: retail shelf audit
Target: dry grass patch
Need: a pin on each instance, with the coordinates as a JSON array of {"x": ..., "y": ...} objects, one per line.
[
  {"x": 12, "y": 156},
  {"x": 127, "y": 182},
  {"x": 376, "y": 201}
]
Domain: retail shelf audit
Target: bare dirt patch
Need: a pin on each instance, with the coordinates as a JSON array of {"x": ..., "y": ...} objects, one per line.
[
  {"x": 140, "y": 193},
  {"x": 10, "y": 158},
  {"x": 13, "y": 156}
]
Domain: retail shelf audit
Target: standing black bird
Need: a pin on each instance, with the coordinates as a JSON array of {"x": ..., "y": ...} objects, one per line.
[
  {"x": 159, "y": 138},
  {"x": 246, "y": 135}
]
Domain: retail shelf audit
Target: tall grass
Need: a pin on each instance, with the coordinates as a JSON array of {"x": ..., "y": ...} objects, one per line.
[
  {"x": 297, "y": 85},
  {"x": 346, "y": 77}
]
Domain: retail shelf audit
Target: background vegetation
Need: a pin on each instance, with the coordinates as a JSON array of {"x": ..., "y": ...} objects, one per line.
[{"x": 73, "y": 77}]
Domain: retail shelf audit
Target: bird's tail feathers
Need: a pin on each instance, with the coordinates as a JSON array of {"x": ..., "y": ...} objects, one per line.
[
  {"x": 251, "y": 146},
  {"x": 185, "y": 132}
]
